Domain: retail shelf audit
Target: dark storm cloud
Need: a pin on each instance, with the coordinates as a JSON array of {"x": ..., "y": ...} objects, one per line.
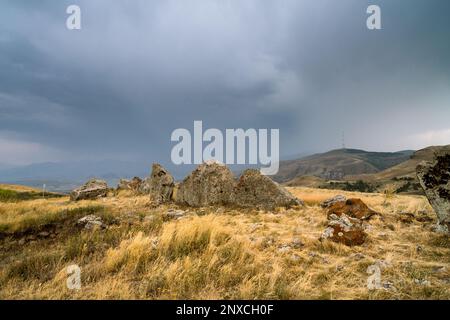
[{"x": 140, "y": 69}]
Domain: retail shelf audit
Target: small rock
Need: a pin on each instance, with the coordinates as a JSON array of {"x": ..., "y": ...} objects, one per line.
[
  {"x": 284, "y": 248},
  {"x": 358, "y": 256},
  {"x": 297, "y": 243},
  {"x": 91, "y": 222},
  {"x": 383, "y": 235},
  {"x": 439, "y": 269},
  {"x": 43, "y": 234},
  {"x": 422, "y": 282},
  {"x": 388, "y": 285},
  {"x": 339, "y": 267},
  {"x": 174, "y": 214}
]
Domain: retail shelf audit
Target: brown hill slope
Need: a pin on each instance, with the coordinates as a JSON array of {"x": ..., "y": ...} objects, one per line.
[
  {"x": 405, "y": 170},
  {"x": 337, "y": 164}
]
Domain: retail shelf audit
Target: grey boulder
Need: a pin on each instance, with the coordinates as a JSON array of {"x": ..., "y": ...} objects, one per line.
[{"x": 93, "y": 189}]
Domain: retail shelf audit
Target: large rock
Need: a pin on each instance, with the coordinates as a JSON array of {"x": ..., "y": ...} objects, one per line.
[
  {"x": 211, "y": 183},
  {"x": 354, "y": 208},
  {"x": 92, "y": 189},
  {"x": 345, "y": 230},
  {"x": 160, "y": 184},
  {"x": 434, "y": 177},
  {"x": 133, "y": 184},
  {"x": 255, "y": 190}
]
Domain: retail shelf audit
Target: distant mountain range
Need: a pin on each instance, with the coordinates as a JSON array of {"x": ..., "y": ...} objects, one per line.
[{"x": 337, "y": 164}]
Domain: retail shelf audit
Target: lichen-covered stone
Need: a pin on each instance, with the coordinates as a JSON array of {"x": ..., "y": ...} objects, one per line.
[
  {"x": 255, "y": 190},
  {"x": 92, "y": 189},
  {"x": 211, "y": 183},
  {"x": 345, "y": 230},
  {"x": 434, "y": 178},
  {"x": 160, "y": 184}
]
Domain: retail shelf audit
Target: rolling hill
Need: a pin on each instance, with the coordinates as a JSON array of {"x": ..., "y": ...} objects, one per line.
[
  {"x": 405, "y": 170},
  {"x": 337, "y": 164}
]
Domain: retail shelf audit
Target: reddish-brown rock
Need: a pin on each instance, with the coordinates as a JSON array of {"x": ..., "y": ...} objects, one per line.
[
  {"x": 354, "y": 208},
  {"x": 345, "y": 230}
]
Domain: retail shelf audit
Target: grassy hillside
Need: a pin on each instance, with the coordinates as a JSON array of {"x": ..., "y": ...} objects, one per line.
[
  {"x": 218, "y": 253},
  {"x": 12, "y": 193},
  {"x": 401, "y": 177},
  {"x": 406, "y": 169},
  {"x": 337, "y": 164}
]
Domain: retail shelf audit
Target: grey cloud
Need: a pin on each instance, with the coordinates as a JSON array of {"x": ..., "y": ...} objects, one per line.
[{"x": 140, "y": 69}]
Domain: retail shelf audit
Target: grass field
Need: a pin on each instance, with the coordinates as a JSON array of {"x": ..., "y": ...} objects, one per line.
[
  {"x": 14, "y": 193},
  {"x": 217, "y": 253}
]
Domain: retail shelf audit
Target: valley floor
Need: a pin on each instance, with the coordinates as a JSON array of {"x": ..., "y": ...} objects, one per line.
[{"x": 219, "y": 253}]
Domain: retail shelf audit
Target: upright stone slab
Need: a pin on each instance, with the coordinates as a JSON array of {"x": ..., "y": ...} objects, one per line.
[
  {"x": 160, "y": 184},
  {"x": 434, "y": 177}
]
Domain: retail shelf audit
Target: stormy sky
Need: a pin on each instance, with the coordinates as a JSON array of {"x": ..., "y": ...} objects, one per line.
[{"x": 139, "y": 69}]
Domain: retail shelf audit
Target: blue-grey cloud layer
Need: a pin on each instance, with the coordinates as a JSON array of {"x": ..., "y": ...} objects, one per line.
[{"x": 140, "y": 69}]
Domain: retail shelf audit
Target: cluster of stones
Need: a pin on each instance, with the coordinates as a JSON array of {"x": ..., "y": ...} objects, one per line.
[
  {"x": 345, "y": 220},
  {"x": 213, "y": 183},
  {"x": 210, "y": 184}
]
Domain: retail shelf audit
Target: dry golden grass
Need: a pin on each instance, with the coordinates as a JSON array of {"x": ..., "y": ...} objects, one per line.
[
  {"x": 217, "y": 253},
  {"x": 18, "y": 188}
]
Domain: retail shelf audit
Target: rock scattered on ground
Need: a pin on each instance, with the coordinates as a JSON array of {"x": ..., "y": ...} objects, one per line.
[
  {"x": 91, "y": 222},
  {"x": 354, "y": 208},
  {"x": 93, "y": 189},
  {"x": 329, "y": 202},
  {"x": 434, "y": 178},
  {"x": 344, "y": 229},
  {"x": 172, "y": 214}
]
